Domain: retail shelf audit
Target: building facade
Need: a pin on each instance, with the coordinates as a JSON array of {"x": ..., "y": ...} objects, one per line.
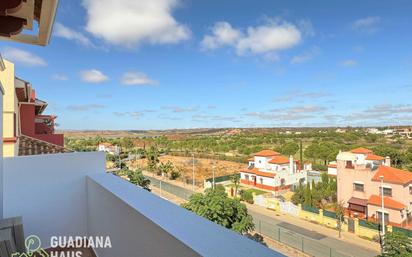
[
  {"x": 26, "y": 129},
  {"x": 359, "y": 175},
  {"x": 108, "y": 148},
  {"x": 270, "y": 170}
]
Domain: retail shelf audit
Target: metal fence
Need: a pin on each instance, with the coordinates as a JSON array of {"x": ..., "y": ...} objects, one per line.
[
  {"x": 292, "y": 239},
  {"x": 402, "y": 230},
  {"x": 330, "y": 214},
  {"x": 310, "y": 209},
  {"x": 222, "y": 178},
  {"x": 170, "y": 188},
  {"x": 275, "y": 232}
]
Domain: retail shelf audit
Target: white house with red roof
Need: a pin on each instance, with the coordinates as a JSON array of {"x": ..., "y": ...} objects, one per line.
[
  {"x": 272, "y": 171},
  {"x": 108, "y": 148},
  {"x": 360, "y": 188}
]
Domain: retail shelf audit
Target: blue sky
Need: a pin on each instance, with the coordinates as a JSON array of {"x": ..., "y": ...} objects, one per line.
[{"x": 158, "y": 64}]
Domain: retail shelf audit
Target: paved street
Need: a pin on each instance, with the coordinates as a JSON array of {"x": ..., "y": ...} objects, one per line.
[{"x": 316, "y": 239}]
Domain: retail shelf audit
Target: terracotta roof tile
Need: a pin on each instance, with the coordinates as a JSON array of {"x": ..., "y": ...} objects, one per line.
[
  {"x": 279, "y": 160},
  {"x": 374, "y": 157},
  {"x": 387, "y": 201},
  {"x": 256, "y": 171},
  {"x": 361, "y": 150},
  {"x": 266, "y": 153},
  {"x": 393, "y": 175}
]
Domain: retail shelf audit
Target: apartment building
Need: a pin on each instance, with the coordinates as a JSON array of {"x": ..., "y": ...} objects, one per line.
[
  {"x": 361, "y": 178},
  {"x": 272, "y": 171},
  {"x": 27, "y": 130}
]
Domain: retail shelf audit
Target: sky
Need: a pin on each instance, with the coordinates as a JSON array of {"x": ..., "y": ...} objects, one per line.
[{"x": 162, "y": 64}]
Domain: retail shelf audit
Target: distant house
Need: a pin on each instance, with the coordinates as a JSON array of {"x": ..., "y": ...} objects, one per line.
[
  {"x": 108, "y": 148},
  {"x": 333, "y": 168},
  {"x": 272, "y": 171},
  {"x": 340, "y": 130},
  {"x": 359, "y": 187}
]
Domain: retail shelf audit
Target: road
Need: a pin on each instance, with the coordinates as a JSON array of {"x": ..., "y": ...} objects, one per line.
[{"x": 296, "y": 235}]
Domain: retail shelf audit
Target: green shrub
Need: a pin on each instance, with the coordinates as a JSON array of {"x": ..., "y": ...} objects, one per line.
[{"x": 246, "y": 196}]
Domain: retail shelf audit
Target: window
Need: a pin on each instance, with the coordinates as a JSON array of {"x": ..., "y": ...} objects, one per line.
[
  {"x": 261, "y": 180},
  {"x": 358, "y": 186},
  {"x": 410, "y": 190},
  {"x": 247, "y": 177},
  {"x": 379, "y": 217},
  {"x": 349, "y": 165},
  {"x": 387, "y": 191}
]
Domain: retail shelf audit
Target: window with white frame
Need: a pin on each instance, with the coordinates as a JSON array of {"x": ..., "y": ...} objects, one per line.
[
  {"x": 387, "y": 191},
  {"x": 358, "y": 186}
]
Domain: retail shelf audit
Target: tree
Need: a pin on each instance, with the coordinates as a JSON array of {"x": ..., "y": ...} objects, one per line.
[
  {"x": 299, "y": 196},
  {"x": 165, "y": 168},
  {"x": 396, "y": 245},
  {"x": 139, "y": 179},
  {"x": 289, "y": 148},
  {"x": 175, "y": 173},
  {"x": 246, "y": 196},
  {"x": 127, "y": 143},
  {"x": 340, "y": 212},
  {"x": 308, "y": 195},
  {"x": 152, "y": 156},
  {"x": 216, "y": 206},
  {"x": 235, "y": 179}
]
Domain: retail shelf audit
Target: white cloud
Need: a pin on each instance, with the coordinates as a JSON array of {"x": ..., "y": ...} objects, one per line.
[
  {"x": 137, "y": 79},
  {"x": 367, "y": 25},
  {"x": 22, "y": 57},
  {"x": 60, "y": 77},
  {"x": 64, "y": 32},
  {"x": 85, "y": 107},
  {"x": 130, "y": 23},
  {"x": 93, "y": 76},
  {"x": 180, "y": 109},
  {"x": 274, "y": 35},
  {"x": 223, "y": 34},
  {"x": 297, "y": 59},
  {"x": 349, "y": 63}
]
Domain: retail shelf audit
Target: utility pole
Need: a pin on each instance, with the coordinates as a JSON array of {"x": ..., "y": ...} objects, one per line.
[
  {"x": 214, "y": 176},
  {"x": 193, "y": 172},
  {"x": 301, "y": 155}
]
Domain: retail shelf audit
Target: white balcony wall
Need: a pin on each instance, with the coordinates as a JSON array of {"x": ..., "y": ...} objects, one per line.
[
  {"x": 142, "y": 224},
  {"x": 49, "y": 192},
  {"x": 1, "y": 146}
]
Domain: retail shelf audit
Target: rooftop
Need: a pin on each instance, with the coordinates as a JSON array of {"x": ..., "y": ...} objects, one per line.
[
  {"x": 266, "y": 153},
  {"x": 361, "y": 150},
  {"x": 279, "y": 160},
  {"x": 388, "y": 202},
  {"x": 393, "y": 175}
]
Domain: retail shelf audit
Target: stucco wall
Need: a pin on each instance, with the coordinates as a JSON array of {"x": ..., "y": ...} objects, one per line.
[
  {"x": 49, "y": 191},
  {"x": 142, "y": 224},
  {"x": 1, "y": 149},
  {"x": 9, "y": 107}
]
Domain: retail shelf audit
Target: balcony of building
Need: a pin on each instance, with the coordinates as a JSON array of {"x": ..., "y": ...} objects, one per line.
[{"x": 71, "y": 195}]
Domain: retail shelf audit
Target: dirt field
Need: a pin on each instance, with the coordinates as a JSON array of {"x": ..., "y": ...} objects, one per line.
[{"x": 203, "y": 167}]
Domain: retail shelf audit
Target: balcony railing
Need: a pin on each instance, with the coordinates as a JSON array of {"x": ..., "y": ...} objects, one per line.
[{"x": 71, "y": 195}]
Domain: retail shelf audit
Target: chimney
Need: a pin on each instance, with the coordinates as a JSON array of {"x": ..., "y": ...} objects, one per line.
[
  {"x": 387, "y": 161},
  {"x": 291, "y": 165}
]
